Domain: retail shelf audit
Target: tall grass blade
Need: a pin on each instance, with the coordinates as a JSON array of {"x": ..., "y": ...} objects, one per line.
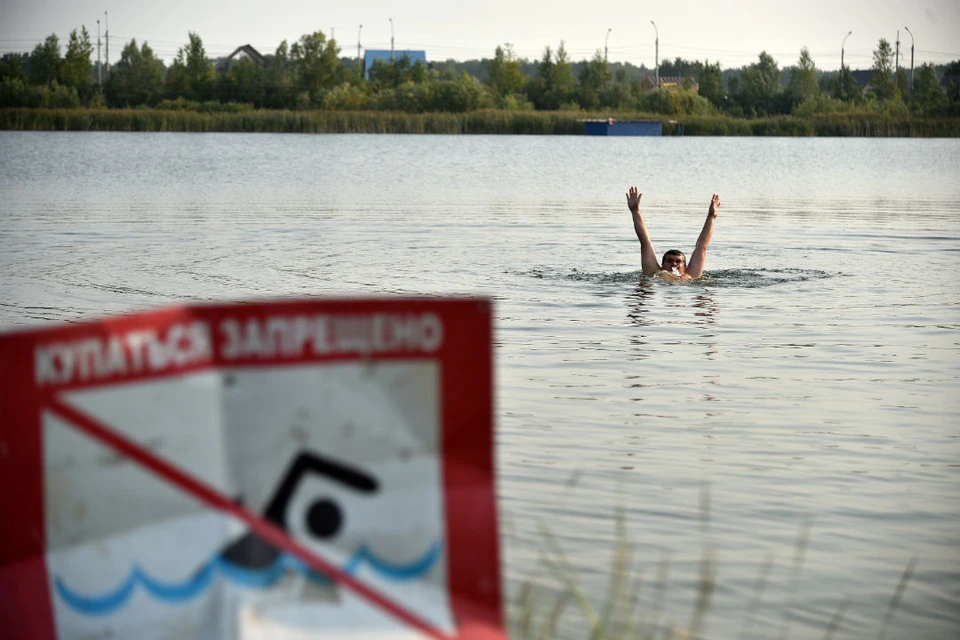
[
  {"x": 758, "y": 589},
  {"x": 526, "y": 605},
  {"x": 549, "y": 630},
  {"x": 705, "y": 588},
  {"x": 895, "y": 601},
  {"x": 563, "y": 571},
  {"x": 619, "y": 577},
  {"x": 837, "y": 619},
  {"x": 660, "y": 590},
  {"x": 799, "y": 555}
]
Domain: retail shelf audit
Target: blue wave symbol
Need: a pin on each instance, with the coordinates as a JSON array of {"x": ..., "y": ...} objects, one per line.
[{"x": 197, "y": 583}]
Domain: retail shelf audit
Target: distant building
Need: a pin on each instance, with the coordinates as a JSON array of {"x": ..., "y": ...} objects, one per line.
[
  {"x": 863, "y": 77},
  {"x": 670, "y": 83},
  {"x": 244, "y": 51},
  {"x": 951, "y": 86},
  {"x": 372, "y": 55}
]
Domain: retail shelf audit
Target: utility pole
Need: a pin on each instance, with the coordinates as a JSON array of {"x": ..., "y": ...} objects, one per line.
[
  {"x": 605, "y": 44},
  {"x": 107, "y": 38},
  {"x": 911, "y": 57},
  {"x": 359, "y": 61},
  {"x": 897, "y": 68},
  {"x": 99, "y": 70},
  {"x": 656, "y": 54},
  {"x": 392, "y": 57}
]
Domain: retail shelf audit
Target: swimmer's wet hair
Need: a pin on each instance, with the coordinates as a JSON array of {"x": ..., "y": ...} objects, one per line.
[{"x": 674, "y": 252}]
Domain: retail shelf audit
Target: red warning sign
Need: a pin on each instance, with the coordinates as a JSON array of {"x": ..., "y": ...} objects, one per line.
[{"x": 301, "y": 469}]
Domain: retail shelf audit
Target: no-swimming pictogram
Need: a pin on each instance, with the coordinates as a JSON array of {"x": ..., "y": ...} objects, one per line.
[{"x": 308, "y": 466}]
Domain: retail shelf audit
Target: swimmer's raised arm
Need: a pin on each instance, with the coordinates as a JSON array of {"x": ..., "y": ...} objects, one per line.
[
  {"x": 648, "y": 255},
  {"x": 699, "y": 256}
]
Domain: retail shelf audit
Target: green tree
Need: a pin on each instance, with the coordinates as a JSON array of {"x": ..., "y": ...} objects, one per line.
[
  {"x": 13, "y": 91},
  {"x": 882, "y": 80},
  {"x": 417, "y": 73},
  {"x": 279, "y": 79},
  {"x": 177, "y": 84},
  {"x": 621, "y": 93},
  {"x": 316, "y": 65},
  {"x": 900, "y": 79},
  {"x": 191, "y": 75},
  {"x": 594, "y": 77},
  {"x": 554, "y": 84},
  {"x": 760, "y": 86},
  {"x": 200, "y": 72},
  {"x": 660, "y": 100},
  {"x": 464, "y": 94},
  {"x": 563, "y": 83},
  {"x": 953, "y": 89},
  {"x": 12, "y": 65},
  {"x": 803, "y": 80},
  {"x": 927, "y": 97},
  {"x": 845, "y": 87},
  {"x": 242, "y": 82},
  {"x": 76, "y": 68},
  {"x": 538, "y": 88},
  {"x": 137, "y": 79},
  {"x": 711, "y": 83},
  {"x": 45, "y": 61},
  {"x": 348, "y": 97},
  {"x": 680, "y": 68},
  {"x": 505, "y": 76},
  {"x": 384, "y": 75},
  {"x": 52, "y": 96}
]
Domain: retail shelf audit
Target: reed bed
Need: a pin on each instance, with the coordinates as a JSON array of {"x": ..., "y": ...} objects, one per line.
[
  {"x": 474, "y": 122},
  {"x": 276, "y": 121},
  {"x": 538, "y": 613}
]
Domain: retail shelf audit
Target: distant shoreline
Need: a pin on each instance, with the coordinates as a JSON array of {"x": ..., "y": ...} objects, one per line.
[{"x": 490, "y": 122}]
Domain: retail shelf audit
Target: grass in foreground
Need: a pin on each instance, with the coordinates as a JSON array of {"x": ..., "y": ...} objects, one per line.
[{"x": 538, "y": 614}]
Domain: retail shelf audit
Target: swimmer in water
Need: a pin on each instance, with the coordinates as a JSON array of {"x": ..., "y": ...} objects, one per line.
[{"x": 674, "y": 266}]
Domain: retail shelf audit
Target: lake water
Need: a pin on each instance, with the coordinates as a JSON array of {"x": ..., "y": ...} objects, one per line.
[{"x": 794, "y": 417}]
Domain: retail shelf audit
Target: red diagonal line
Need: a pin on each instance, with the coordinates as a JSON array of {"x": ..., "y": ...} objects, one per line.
[{"x": 263, "y": 528}]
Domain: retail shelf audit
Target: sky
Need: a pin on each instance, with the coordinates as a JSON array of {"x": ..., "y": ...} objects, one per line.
[{"x": 732, "y": 32}]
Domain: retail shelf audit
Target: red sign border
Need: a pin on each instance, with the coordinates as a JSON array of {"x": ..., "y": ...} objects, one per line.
[{"x": 466, "y": 364}]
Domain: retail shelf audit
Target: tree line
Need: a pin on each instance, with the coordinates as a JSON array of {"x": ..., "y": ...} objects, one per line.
[{"x": 311, "y": 74}]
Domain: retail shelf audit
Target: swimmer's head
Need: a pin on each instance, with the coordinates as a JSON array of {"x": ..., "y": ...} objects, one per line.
[{"x": 675, "y": 262}]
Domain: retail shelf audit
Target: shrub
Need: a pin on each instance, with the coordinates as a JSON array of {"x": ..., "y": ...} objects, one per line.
[
  {"x": 514, "y": 102},
  {"x": 178, "y": 104},
  {"x": 52, "y": 96},
  {"x": 660, "y": 101},
  {"x": 13, "y": 93},
  {"x": 346, "y": 97}
]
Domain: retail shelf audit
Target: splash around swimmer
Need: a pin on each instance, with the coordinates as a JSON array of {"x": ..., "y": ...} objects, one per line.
[{"x": 674, "y": 265}]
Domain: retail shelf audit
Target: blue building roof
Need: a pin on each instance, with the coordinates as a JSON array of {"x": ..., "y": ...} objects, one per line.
[{"x": 372, "y": 55}]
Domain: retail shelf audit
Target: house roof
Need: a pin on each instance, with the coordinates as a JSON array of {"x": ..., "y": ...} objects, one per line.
[
  {"x": 862, "y": 76},
  {"x": 248, "y": 51},
  {"x": 670, "y": 81}
]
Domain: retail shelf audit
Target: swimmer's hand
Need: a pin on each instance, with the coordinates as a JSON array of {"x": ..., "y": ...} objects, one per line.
[
  {"x": 714, "y": 206},
  {"x": 633, "y": 199}
]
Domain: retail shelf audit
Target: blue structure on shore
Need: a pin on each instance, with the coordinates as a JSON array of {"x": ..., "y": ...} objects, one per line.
[{"x": 613, "y": 127}]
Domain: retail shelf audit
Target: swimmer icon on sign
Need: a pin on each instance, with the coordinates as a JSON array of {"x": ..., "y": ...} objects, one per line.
[{"x": 324, "y": 518}]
